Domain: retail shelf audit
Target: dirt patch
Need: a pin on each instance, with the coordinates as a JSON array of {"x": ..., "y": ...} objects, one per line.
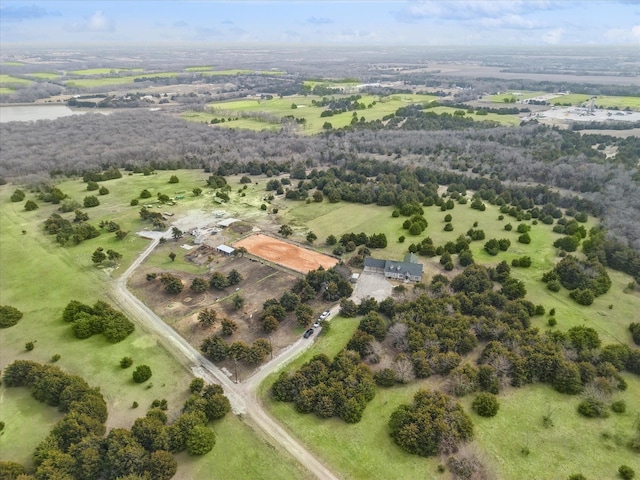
[
  {"x": 261, "y": 282},
  {"x": 285, "y": 254}
]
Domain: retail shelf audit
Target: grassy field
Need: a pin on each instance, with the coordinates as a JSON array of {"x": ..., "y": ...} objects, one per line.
[
  {"x": 6, "y": 80},
  {"x": 282, "y": 107},
  {"x": 512, "y": 96},
  {"x": 40, "y": 277},
  {"x": 571, "y": 99},
  {"x": 13, "y": 64},
  {"x": 620, "y": 102},
  {"x": 6, "y": 90},
  {"x": 508, "y": 120},
  {"x": 204, "y": 68},
  {"x": 556, "y": 451},
  {"x": 50, "y": 275},
  {"x": 101, "y": 82},
  {"x": 104, "y": 71}
]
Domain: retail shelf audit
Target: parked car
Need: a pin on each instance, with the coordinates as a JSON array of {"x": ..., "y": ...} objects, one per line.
[
  {"x": 308, "y": 333},
  {"x": 324, "y": 314},
  {"x": 317, "y": 324}
]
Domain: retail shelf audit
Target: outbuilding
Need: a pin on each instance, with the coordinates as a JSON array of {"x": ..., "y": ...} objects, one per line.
[{"x": 225, "y": 249}]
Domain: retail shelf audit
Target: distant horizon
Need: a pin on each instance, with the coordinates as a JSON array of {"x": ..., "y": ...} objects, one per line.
[{"x": 412, "y": 23}]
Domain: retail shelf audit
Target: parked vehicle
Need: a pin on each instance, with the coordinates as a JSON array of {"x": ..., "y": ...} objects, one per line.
[{"x": 308, "y": 333}]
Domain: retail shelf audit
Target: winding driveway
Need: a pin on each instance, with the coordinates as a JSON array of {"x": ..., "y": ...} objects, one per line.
[{"x": 243, "y": 397}]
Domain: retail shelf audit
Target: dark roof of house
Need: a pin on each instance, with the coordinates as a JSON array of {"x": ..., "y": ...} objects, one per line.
[
  {"x": 374, "y": 262},
  {"x": 404, "y": 268}
]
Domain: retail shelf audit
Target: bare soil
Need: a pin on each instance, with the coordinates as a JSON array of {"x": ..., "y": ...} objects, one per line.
[
  {"x": 261, "y": 282},
  {"x": 287, "y": 254}
]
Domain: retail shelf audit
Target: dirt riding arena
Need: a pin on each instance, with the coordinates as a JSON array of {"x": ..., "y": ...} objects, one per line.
[{"x": 285, "y": 254}]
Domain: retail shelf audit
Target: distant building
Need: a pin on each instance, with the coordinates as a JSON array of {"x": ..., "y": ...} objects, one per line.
[
  {"x": 225, "y": 249},
  {"x": 408, "y": 269},
  {"x": 227, "y": 221}
]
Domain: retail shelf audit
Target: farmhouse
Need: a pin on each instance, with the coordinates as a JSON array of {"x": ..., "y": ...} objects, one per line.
[{"x": 408, "y": 269}]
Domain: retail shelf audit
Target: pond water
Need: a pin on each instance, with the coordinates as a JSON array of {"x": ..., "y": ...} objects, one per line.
[{"x": 31, "y": 113}]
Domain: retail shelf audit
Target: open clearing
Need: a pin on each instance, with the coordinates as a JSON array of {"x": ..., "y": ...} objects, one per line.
[{"x": 286, "y": 254}]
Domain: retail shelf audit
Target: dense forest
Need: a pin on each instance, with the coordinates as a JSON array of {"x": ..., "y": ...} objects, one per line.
[{"x": 574, "y": 164}]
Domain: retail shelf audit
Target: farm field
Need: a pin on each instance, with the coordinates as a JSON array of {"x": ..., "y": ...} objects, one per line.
[{"x": 6, "y": 90}]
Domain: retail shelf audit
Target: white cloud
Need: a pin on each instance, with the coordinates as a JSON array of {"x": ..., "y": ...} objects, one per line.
[
  {"x": 510, "y": 21},
  {"x": 635, "y": 32},
  {"x": 553, "y": 37},
  {"x": 98, "y": 22},
  {"x": 474, "y": 9}
]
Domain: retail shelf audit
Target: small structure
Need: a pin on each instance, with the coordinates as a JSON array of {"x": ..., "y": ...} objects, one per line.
[
  {"x": 225, "y": 249},
  {"x": 408, "y": 269},
  {"x": 355, "y": 277},
  {"x": 227, "y": 221}
]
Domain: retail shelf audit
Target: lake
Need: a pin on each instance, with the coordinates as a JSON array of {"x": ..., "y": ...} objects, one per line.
[{"x": 31, "y": 113}]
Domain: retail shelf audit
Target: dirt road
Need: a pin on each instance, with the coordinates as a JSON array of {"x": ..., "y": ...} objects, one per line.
[{"x": 242, "y": 396}]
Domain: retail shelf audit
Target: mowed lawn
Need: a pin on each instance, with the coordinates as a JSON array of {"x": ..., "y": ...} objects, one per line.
[{"x": 7, "y": 80}]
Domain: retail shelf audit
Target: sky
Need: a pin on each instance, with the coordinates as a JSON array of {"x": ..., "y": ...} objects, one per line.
[{"x": 356, "y": 22}]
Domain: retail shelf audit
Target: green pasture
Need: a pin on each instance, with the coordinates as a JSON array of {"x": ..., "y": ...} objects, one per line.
[
  {"x": 521, "y": 95},
  {"x": 377, "y": 108},
  {"x": 574, "y": 444},
  {"x": 330, "y": 83},
  {"x": 240, "y": 452},
  {"x": 6, "y": 80},
  {"x": 6, "y": 90},
  {"x": 44, "y": 75},
  {"x": 13, "y": 64},
  {"x": 571, "y": 98},
  {"x": 362, "y": 450},
  {"x": 104, "y": 81},
  {"x": 203, "y": 68},
  {"x": 339, "y": 218},
  {"x": 620, "y": 102},
  {"x": 104, "y": 71},
  {"x": 40, "y": 277},
  {"x": 508, "y": 120},
  {"x": 17, "y": 408}
]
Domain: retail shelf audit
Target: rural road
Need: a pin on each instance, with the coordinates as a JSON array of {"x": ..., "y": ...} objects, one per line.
[{"x": 243, "y": 397}]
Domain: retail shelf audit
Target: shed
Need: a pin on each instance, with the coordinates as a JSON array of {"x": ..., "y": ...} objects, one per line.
[{"x": 225, "y": 249}]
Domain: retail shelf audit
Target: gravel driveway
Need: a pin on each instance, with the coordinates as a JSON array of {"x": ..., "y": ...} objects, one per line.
[{"x": 371, "y": 285}]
